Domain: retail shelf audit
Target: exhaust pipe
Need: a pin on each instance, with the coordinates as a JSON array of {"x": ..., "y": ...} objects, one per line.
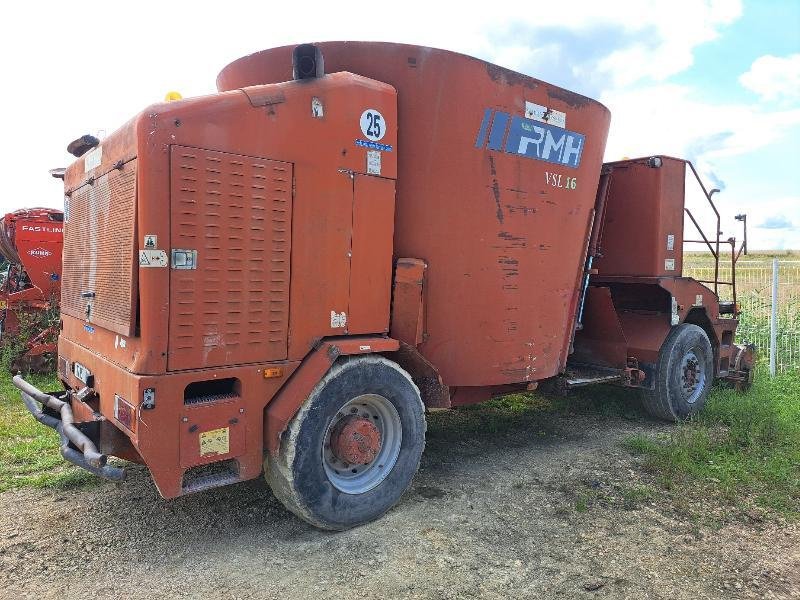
[{"x": 307, "y": 62}]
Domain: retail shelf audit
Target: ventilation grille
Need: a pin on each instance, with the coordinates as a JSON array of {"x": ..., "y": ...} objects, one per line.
[
  {"x": 97, "y": 275},
  {"x": 236, "y": 212}
]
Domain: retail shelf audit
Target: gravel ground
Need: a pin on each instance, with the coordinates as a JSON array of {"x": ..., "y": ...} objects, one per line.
[{"x": 546, "y": 509}]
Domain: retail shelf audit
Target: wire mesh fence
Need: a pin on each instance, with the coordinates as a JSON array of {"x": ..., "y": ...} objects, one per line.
[{"x": 754, "y": 295}]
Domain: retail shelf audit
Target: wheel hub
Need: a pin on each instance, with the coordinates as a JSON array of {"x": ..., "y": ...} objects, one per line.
[
  {"x": 362, "y": 443},
  {"x": 693, "y": 377},
  {"x": 355, "y": 440},
  {"x": 690, "y": 374}
]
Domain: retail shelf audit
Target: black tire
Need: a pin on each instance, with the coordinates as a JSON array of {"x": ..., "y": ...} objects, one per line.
[
  {"x": 298, "y": 476},
  {"x": 683, "y": 375}
]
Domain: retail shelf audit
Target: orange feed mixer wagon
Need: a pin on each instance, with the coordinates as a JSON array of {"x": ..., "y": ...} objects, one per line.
[
  {"x": 281, "y": 277},
  {"x": 31, "y": 240}
]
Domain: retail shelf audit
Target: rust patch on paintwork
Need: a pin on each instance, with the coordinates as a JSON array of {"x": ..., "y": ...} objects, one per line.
[
  {"x": 495, "y": 188},
  {"x": 506, "y": 77},
  {"x": 571, "y": 98},
  {"x": 510, "y": 266},
  {"x": 520, "y": 208},
  {"x": 516, "y": 241}
]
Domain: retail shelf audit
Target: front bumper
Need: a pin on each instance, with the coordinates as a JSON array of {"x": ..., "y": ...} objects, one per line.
[{"x": 76, "y": 447}]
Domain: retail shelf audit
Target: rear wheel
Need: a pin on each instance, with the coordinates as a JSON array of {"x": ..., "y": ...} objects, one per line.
[
  {"x": 353, "y": 447},
  {"x": 683, "y": 375}
]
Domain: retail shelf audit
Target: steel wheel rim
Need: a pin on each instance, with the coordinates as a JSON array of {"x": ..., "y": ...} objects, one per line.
[
  {"x": 692, "y": 377},
  {"x": 358, "y": 479}
]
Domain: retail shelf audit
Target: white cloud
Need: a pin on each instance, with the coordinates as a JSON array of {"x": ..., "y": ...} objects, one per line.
[
  {"x": 774, "y": 224},
  {"x": 68, "y": 84},
  {"x": 774, "y": 77},
  {"x": 777, "y": 222},
  {"x": 667, "y": 118},
  {"x": 678, "y": 29}
]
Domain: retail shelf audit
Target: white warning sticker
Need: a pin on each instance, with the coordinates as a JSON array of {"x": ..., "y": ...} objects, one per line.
[
  {"x": 373, "y": 162},
  {"x": 338, "y": 320},
  {"x": 151, "y": 241},
  {"x": 317, "y": 109},
  {"x": 92, "y": 159},
  {"x": 669, "y": 264},
  {"x": 670, "y": 242},
  {"x": 153, "y": 258},
  {"x": 540, "y": 113}
]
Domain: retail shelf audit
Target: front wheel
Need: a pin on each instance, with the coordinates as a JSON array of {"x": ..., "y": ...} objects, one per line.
[
  {"x": 353, "y": 447},
  {"x": 683, "y": 375}
]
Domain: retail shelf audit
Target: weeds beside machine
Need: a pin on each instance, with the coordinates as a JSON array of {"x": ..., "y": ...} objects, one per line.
[
  {"x": 298, "y": 266},
  {"x": 31, "y": 241}
]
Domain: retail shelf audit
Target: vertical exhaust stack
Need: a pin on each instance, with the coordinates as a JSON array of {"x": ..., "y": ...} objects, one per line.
[{"x": 307, "y": 62}]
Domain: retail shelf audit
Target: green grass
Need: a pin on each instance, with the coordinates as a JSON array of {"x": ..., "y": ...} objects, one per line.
[
  {"x": 28, "y": 450},
  {"x": 743, "y": 448}
]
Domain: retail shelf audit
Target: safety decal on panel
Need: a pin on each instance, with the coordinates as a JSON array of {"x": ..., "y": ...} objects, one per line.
[
  {"x": 216, "y": 441},
  {"x": 317, "y": 108},
  {"x": 153, "y": 258},
  {"x": 338, "y": 320},
  {"x": 373, "y": 162},
  {"x": 540, "y": 113},
  {"x": 92, "y": 159},
  {"x": 530, "y": 138}
]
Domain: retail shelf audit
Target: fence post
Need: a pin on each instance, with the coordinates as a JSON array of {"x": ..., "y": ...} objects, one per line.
[{"x": 773, "y": 320}]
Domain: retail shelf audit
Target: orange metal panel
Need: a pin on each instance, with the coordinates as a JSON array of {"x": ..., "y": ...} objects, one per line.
[
  {"x": 162, "y": 437},
  {"x": 371, "y": 262},
  {"x": 408, "y": 301},
  {"x": 280, "y": 125},
  {"x": 98, "y": 282},
  {"x": 234, "y": 211},
  {"x": 212, "y": 432},
  {"x": 602, "y": 340},
  {"x": 321, "y": 233},
  {"x": 504, "y": 234},
  {"x": 643, "y": 227}
]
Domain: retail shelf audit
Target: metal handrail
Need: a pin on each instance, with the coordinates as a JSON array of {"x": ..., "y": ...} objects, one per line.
[{"x": 714, "y": 249}]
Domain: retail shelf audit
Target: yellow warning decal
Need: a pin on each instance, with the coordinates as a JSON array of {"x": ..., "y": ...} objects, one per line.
[{"x": 216, "y": 441}]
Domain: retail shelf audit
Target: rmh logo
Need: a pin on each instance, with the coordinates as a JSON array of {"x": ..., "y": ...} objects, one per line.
[{"x": 529, "y": 138}]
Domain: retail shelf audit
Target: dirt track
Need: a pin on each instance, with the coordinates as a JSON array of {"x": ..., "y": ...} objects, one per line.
[{"x": 490, "y": 514}]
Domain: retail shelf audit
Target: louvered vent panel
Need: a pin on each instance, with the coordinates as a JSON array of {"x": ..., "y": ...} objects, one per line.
[
  {"x": 236, "y": 212},
  {"x": 99, "y": 251}
]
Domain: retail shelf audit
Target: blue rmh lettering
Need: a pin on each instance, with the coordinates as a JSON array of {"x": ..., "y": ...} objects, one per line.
[{"x": 530, "y": 138}]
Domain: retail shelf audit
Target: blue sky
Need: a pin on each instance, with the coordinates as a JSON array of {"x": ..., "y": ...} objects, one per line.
[
  {"x": 716, "y": 81},
  {"x": 768, "y": 175}
]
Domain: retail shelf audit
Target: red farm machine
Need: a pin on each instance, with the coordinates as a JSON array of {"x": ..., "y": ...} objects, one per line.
[
  {"x": 282, "y": 277},
  {"x": 31, "y": 241}
]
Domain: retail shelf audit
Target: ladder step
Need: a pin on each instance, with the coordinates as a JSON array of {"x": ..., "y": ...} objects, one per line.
[{"x": 579, "y": 376}]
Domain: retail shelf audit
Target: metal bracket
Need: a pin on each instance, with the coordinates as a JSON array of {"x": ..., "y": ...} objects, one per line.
[{"x": 184, "y": 259}]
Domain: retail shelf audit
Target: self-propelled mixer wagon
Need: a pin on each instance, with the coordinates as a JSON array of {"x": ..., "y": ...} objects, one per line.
[{"x": 281, "y": 277}]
